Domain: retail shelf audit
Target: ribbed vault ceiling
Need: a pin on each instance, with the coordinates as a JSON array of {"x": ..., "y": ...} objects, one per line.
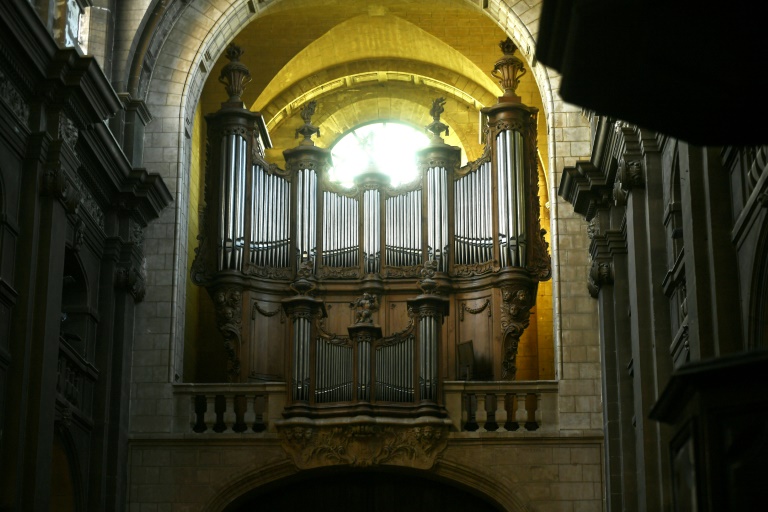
[{"x": 370, "y": 60}]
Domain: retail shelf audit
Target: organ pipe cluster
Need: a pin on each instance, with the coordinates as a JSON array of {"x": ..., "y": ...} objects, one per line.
[{"x": 295, "y": 228}]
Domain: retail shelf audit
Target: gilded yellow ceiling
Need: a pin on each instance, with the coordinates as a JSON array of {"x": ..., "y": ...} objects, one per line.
[{"x": 367, "y": 60}]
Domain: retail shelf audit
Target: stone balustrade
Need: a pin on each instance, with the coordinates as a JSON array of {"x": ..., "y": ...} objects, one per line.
[
  {"x": 503, "y": 407},
  {"x": 229, "y": 408}
]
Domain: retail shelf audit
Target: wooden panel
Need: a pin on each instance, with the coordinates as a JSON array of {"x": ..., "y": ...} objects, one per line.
[
  {"x": 473, "y": 318},
  {"x": 340, "y": 317},
  {"x": 267, "y": 340},
  {"x": 396, "y": 316}
]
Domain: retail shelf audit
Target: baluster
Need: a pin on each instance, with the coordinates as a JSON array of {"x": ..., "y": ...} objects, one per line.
[
  {"x": 240, "y": 408},
  {"x": 248, "y": 416},
  {"x": 467, "y": 417},
  {"x": 219, "y": 406},
  {"x": 501, "y": 411},
  {"x": 229, "y": 415},
  {"x": 209, "y": 416},
  {"x": 197, "y": 415},
  {"x": 537, "y": 410},
  {"x": 481, "y": 416},
  {"x": 521, "y": 414}
]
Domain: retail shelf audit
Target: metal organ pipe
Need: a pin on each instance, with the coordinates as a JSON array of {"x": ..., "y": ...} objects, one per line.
[
  {"x": 521, "y": 194},
  {"x": 232, "y": 201},
  {"x": 306, "y": 217},
  {"x": 270, "y": 219}
]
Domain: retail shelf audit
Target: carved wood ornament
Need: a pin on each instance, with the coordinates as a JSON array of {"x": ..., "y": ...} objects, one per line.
[
  {"x": 517, "y": 301},
  {"x": 365, "y": 445},
  {"x": 229, "y": 309}
]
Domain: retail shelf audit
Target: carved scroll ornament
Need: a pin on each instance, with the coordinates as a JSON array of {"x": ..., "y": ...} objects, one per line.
[{"x": 517, "y": 301}]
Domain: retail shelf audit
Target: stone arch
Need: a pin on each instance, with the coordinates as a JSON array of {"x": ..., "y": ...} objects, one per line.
[
  {"x": 486, "y": 485},
  {"x": 199, "y": 33},
  {"x": 405, "y": 103}
]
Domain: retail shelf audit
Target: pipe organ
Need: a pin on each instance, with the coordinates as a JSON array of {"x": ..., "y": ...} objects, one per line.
[{"x": 342, "y": 262}]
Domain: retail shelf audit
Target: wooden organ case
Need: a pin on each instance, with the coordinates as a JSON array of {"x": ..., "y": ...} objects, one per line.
[{"x": 343, "y": 293}]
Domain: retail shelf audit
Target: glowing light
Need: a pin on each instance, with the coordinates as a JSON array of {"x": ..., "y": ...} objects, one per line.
[{"x": 391, "y": 146}]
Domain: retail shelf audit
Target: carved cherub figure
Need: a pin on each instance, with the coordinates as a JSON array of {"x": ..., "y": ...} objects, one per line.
[{"x": 365, "y": 306}]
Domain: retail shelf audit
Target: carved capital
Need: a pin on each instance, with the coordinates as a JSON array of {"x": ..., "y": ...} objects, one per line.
[
  {"x": 228, "y": 303},
  {"x": 628, "y": 176},
  {"x": 600, "y": 273},
  {"x": 364, "y": 445}
]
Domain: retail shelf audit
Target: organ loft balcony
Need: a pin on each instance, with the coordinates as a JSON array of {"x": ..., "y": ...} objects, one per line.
[{"x": 387, "y": 310}]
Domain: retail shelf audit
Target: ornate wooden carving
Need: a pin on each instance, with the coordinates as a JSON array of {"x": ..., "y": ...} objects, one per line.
[
  {"x": 228, "y": 303},
  {"x": 364, "y": 306},
  {"x": 364, "y": 445},
  {"x": 234, "y": 75},
  {"x": 518, "y": 297},
  {"x": 474, "y": 311}
]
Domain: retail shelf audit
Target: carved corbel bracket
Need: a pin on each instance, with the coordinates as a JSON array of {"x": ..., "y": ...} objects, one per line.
[
  {"x": 593, "y": 228},
  {"x": 628, "y": 176},
  {"x": 364, "y": 445},
  {"x": 518, "y": 297},
  {"x": 58, "y": 185},
  {"x": 600, "y": 273},
  {"x": 228, "y": 303},
  {"x": 131, "y": 279}
]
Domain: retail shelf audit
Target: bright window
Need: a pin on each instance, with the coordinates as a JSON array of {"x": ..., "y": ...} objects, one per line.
[{"x": 391, "y": 146}]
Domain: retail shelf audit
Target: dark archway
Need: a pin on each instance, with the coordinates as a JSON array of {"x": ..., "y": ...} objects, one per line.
[{"x": 362, "y": 491}]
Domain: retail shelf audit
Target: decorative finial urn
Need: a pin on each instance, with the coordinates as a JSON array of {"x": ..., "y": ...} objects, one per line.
[
  {"x": 508, "y": 70},
  {"x": 436, "y": 127},
  {"x": 234, "y": 75},
  {"x": 308, "y": 129}
]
